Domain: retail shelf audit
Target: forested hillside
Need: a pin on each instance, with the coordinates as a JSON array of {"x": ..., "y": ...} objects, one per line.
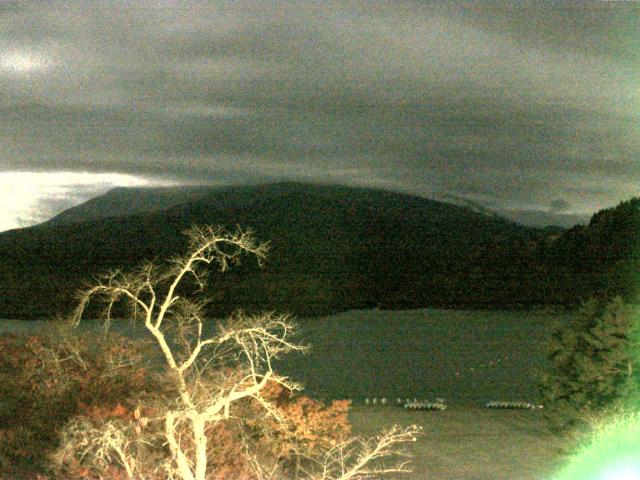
[{"x": 333, "y": 248}]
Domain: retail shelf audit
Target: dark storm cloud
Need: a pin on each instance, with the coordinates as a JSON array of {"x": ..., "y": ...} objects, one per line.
[{"x": 503, "y": 104}]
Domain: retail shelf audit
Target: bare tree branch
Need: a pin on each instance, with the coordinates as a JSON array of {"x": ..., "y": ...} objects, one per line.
[
  {"x": 358, "y": 458},
  {"x": 249, "y": 343}
]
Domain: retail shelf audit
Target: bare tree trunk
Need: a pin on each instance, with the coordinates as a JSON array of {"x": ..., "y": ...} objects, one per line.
[{"x": 198, "y": 424}]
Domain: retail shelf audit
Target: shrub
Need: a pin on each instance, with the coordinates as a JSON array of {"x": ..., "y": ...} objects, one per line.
[
  {"x": 48, "y": 378},
  {"x": 93, "y": 442},
  {"x": 61, "y": 392}
]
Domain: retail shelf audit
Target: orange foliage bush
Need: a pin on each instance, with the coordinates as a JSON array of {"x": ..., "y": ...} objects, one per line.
[
  {"x": 307, "y": 421},
  {"x": 304, "y": 425},
  {"x": 47, "y": 380},
  {"x": 46, "y": 384},
  {"x": 71, "y": 462}
]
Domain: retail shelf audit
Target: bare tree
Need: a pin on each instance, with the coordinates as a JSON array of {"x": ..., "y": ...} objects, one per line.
[
  {"x": 192, "y": 349},
  {"x": 359, "y": 458}
]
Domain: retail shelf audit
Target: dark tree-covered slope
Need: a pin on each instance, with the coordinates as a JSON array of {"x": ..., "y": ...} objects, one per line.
[
  {"x": 601, "y": 259},
  {"x": 333, "y": 248}
]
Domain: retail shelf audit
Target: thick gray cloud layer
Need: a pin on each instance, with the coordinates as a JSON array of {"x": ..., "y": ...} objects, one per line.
[{"x": 527, "y": 106}]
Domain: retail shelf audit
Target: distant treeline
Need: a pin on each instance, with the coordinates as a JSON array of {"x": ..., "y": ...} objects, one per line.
[{"x": 336, "y": 248}]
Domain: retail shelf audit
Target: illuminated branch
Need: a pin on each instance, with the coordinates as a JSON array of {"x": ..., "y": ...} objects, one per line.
[{"x": 247, "y": 342}]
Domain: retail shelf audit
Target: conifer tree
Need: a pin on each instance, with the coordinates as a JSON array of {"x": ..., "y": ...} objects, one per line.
[{"x": 594, "y": 364}]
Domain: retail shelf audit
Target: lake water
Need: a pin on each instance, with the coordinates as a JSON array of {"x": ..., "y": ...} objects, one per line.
[{"x": 466, "y": 357}]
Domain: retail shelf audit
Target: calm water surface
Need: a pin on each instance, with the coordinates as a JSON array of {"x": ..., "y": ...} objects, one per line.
[{"x": 466, "y": 357}]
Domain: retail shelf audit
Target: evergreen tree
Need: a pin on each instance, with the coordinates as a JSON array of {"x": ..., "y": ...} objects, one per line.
[{"x": 594, "y": 364}]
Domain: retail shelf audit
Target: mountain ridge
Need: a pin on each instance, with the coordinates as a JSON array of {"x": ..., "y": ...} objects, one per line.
[
  {"x": 125, "y": 201},
  {"x": 122, "y": 201},
  {"x": 333, "y": 248}
]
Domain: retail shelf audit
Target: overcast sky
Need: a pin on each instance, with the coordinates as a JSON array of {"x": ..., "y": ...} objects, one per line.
[{"x": 517, "y": 106}]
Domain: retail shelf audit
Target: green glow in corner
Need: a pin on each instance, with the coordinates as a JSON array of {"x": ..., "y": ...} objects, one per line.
[
  {"x": 612, "y": 454},
  {"x": 622, "y": 472}
]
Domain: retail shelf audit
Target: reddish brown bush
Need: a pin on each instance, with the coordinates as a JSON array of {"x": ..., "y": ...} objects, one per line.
[
  {"x": 45, "y": 383},
  {"x": 45, "y": 380},
  {"x": 307, "y": 421},
  {"x": 304, "y": 425}
]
